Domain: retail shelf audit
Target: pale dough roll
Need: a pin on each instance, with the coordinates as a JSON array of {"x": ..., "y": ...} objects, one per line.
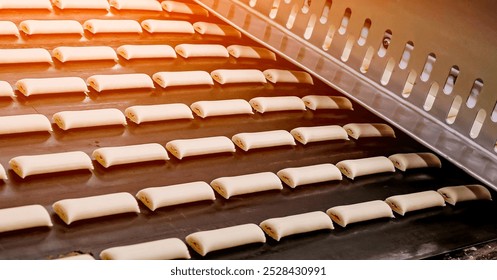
[
  {"x": 65, "y": 54},
  {"x": 50, "y": 163},
  {"x": 146, "y": 51},
  {"x": 264, "y": 139},
  {"x": 164, "y": 249},
  {"x": 455, "y": 194},
  {"x": 89, "y": 118},
  {"x": 415, "y": 201},
  {"x": 239, "y": 51},
  {"x": 6, "y": 89},
  {"x": 365, "y": 166},
  {"x": 29, "y": 55},
  {"x": 161, "y": 112},
  {"x": 111, "y": 156},
  {"x": 201, "y": 50},
  {"x": 167, "y": 26},
  {"x": 204, "y": 242},
  {"x": 3, "y": 174},
  {"x": 244, "y": 184},
  {"x": 360, "y": 212},
  {"x": 200, "y": 146},
  {"x": 158, "y": 197},
  {"x": 120, "y": 81},
  {"x": 319, "y": 133},
  {"x": 24, "y": 123},
  {"x": 208, "y": 28},
  {"x": 230, "y": 76},
  {"x": 297, "y": 176},
  {"x": 146, "y": 5},
  {"x": 183, "y": 8},
  {"x": 278, "y": 228},
  {"x": 75, "y": 209},
  {"x": 51, "y": 85},
  {"x": 277, "y": 103},
  {"x": 415, "y": 160},
  {"x": 23, "y": 217},
  {"x": 78, "y": 4},
  {"x": 78, "y": 257},
  {"x": 361, "y": 130},
  {"x": 25, "y": 4},
  {"x": 112, "y": 26},
  {"x": 315, "y": 102},
  {"x": 183, "y": 78},
  {"x": 288, "y": 76},
  {"x": 8, "y": 28},
  {"x": 221, "y": 107},
  {"x": 33, "y": 27}
]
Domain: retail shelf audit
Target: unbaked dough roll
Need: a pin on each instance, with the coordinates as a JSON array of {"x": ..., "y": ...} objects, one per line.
[
  {"x": 360, "y": 212},
  {"x": 89, "y": 118},
  {"x": 110, "y": 156},
  {"x": 22, "y": 217},
  {"x": 244, "y": 184},
  {"x": 362, "y": 130},
  {"x": 277, "y": 103},
  {"x": 278, "y": 228},
  {"x": 353, "y": 168},
  {"x": 415, "y": 160},
  {"x": 239, "y": 51},
  {"x": 183, "y": 8},
  {"x": 316, "y": 102},
  {"x": 65, "y": 54},
  {"x": 96, "y": 26},
  {"x": 78, "y": 257},
  {"x": 146, "y": 51},
  {"x": 204, "y": 242},
  {"x": 264, "y": 139},
  {"x": 455, "y": 194},
  {"x": 208, "y": 28},
  {"x": 183, "y": 78},
  {"x": 297, "y": 176},
  {"x": 319, "y": 133},
  {"x": 50, "y": 163},
  {"x": 34, "y": 27},
  {"x": 8, "y": 28},
  {"x": 221, "y": 107},
  {"x": 120, "y": 81},
  {"x": 164, "y": 249},
  {"x": 201, "y": 50},
  {"x": 145, "y": 5},
  {"x": 200, "y": 146},
  {"x": 288, "y": 76},
  {"x": 231, "y": 76},
  {"x": 25, "y": 4},
  {"x": 158, "y": 197},
  {"x": 28, "y": 55},
  {"x": 161, "y": 112},
  {"x": 3, "y": 174},
  {"x": 78, "y": 4},
  {"x": 24, "y": 123},
  {"x": 167, "y": 26},
  {"x": 415, "y": 201},
  {"x": 6, "y": 89},
  {"x": 75, "y": 209},
  {"x": 51, "y": 85}
]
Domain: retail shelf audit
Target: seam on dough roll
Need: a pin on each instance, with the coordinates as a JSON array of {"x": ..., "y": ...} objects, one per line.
[
  {"x": 213, "y": 108},
  {"x": 89, "y": 118},
  {"x": 316, "y": 102},
  {"x": 319, "y": 133},
  {"x": 454, "y": 194},
  {"x": 277, "y": 103},
  {"x": 181, "y": 148},
  {"x": 120, "y": 81},
  {"x": 23, "y": 217},
  {"x": 27, "y": 55},
  {"x": 65, "y": 54},
  {"x": 183, "y": 8},
  {"x": 201, "y": 50},
  {"x": 167, "y": 26},
  {"x": 49, "y": 163},
  {"x": 160, "y": 112},
  {"x": 288, "y": 76},
  {"x": 8, "y": 28},
  {"x": 278, "y": 228},
  {"x": 360, "y": 212},
  {"x": 245, "y": 184},
  {"x": 365, "y": 166},
  {"x": 110, "y": 156},
  {"x": 96, "y": 26},
  {"x": 163, "y": 249},
  {"x": 144, "y": 5},
  {"x": 34, "y": 27},
  {"x": 415, "y": 160},
  {"x": 78, "y": 4},
  {"x": 24, "y": 123},
  {"x": 233, "y": 76},
  {"x": 404, "y": 203},
  {"x": 239, "y": 51},
  {"x": 182, "y": 78},
  {"x": 360, "y": 130},
  {"x": 208, "y": 28},
  {"x": 51, "y": 85},
  {"x": 311, "y": 174},
  {"x": 264, "y": 139}
]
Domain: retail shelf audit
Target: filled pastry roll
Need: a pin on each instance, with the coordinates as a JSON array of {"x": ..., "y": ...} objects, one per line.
[
  {"x": 78, "y": 4},
  {"x": 455, "y": 194},
  {"x": 164, "y": 249},
  {"x": 264, "y": 139},
  {"x": 239, "y": 51},
  {"x": 161, "y": 112},
  {"x": 25, "y": 4},
  {"x": 204, "y": 242},
  {"x": 3, "y": 174},
  {"x": 183, "y": 8},
  {"x": 360, "y": 212},
  {"x": 120, "y": 81},
  {"x": 50, "y": 163},
  {"x": 231, "y": 76},
  {"x": 353, "y": 168},
  {"x": 89, "y": 118},
  {"x": 362, "y": 130},
  {"x": 146, "y": 51},
  {"x": 316, "y": 102},
  {"x": 244, "y": 184},
  {"x": 277, "y": 103},
  {"x": 22, "y": 217},
  {"x": 158, "y": 197},
  {"x": 33, "y": 27},
  {"x": 183, "y": 78},
  {"x": 206, "y": 109},
  {"x": 78, "y": 257},
  {"x": 6, "y": 89},
  {"x": 288, "y": 76},
  {"x": 96, "y": 26},
  {"x": 51, "y": 85},
  {"x": 297, "y": 176},
  {"x": 8, "y": 28},
  {"x": 65, "y": 54},
  {"x": 200, "y": 146},
  {"x": 145, "y": 5},
  {"x": 319, "y": 133},
  {"x": 167, "y": 26},
  {"x": 24, "y": 123},
  {"x": 415, "y": 160},
  {"x": 415, "y": 201},
  {"x": 201, "y": 50},
  {"x": 208, "y": 28},
  {"x": 28, "y": 55},
  {"x": 278, "y": 228},
  {"x": 75, "y": 209},
  {"x": 110, "y": 156}
]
